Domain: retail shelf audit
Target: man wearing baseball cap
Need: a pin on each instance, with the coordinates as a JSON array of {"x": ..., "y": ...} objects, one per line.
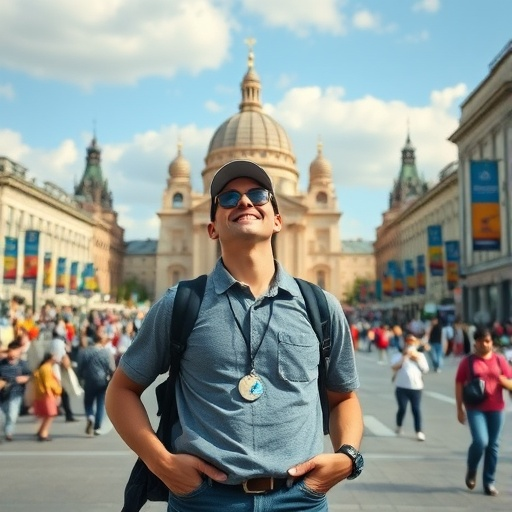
[{"x": 249, "y": 434}]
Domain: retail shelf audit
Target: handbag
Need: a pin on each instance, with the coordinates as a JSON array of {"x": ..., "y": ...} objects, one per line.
[
  {"x": 70, "y": 383},
  {"x": 473, "y": 392}
]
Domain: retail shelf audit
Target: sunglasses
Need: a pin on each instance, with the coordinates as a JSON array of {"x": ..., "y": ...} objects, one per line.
[{"x": 231, "y": 198}]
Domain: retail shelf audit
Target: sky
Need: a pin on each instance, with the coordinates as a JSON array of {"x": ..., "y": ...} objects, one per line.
[{"x": 145, "y": 75}]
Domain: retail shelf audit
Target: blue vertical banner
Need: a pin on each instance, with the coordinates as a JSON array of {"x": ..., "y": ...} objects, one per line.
[
  {"x": 31, "y": 258},
  {"x": 421, "y": 275},
  {"x": 435, "y": 249},
  {"x": 485, "y": 205},
  {"x": 452, "y": 263},
  {"x": 10, "y": 260},
  {"x": 410, "y": 278},
  {"x": 47, "y": 271},
  {"x": 89, "y": 280},
  {"x": 398, "y": 282},
  {"x": 73, "y": 278},
  {"x": 61, "y": 279}
]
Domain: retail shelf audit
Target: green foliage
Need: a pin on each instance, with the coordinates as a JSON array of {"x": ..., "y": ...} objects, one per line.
[
  {"x": 353, "y": 296},
  {"x": 132, "y": 288}
]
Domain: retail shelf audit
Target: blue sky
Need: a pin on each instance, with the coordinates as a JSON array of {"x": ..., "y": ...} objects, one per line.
[{"x": 148, "y": 73}]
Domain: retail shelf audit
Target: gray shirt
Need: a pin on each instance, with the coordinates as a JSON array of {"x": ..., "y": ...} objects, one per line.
[{"x": 281, "y": 428}]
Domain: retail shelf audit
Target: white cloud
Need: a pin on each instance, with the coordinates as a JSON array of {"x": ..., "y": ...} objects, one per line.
[
  {"x": 118, "y": 41},
  {"x": 363, "y": 138},
  {"x": 300, "y": 16},
  {"x": 365, "y": 20},
  {"x": 212, "y": 106},
  {"x": 427, "y": 5},
  {"x": 418, "y": 37},
  {"x": 7, "y": 91}
]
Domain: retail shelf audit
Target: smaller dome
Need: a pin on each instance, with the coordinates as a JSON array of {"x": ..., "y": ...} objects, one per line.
[
  {"x": 179, "y": 168},
  {"x": 320, "y": 167}
]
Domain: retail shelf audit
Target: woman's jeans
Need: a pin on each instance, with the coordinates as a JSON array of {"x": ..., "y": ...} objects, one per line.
[
  {"x": 213, "y": 497},
  {"x": 485, "y": 430},
  {"x": 404, "y": 395},
  {"x": 91, "y": 395},
  {"x": 11, "y": 410},
  {"x": 436, "y": 354}
]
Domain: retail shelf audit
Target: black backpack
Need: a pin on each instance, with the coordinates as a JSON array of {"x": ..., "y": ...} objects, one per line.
[{"x": 142, "y": 484}]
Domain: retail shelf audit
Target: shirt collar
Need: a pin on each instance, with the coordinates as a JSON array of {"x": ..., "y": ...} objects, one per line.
[{"x": 282, "y": 282}]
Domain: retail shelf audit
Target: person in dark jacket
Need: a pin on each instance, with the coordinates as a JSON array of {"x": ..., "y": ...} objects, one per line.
[
  {"x": 14, "y": 374},
  {"x": 95, "y": 367}
]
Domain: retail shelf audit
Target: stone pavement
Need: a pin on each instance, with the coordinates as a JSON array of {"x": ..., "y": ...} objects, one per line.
[{"x": 80, "y": 474}]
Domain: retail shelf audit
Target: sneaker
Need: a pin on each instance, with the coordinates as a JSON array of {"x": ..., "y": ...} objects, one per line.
[
  {"x": 420, "y": 436},
  {"x": 399, "y": 431},
  {"x": 490, "y": 490},
  {"x": 88, "y": 428}
]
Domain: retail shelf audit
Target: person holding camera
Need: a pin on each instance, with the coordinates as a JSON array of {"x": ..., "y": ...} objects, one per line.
[
  {"x": 409, "y": 367},
  {"x": 486, "y": 418}
]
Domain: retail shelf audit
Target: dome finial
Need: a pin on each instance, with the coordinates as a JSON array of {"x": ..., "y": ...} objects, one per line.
[
  {"x": 319, "y": 146},
  {"x": 250, "y": 42}
]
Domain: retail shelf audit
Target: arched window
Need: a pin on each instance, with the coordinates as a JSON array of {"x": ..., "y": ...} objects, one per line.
[
  {"x": 321, "y": 198},
  {"x": 177, "y": 200}
]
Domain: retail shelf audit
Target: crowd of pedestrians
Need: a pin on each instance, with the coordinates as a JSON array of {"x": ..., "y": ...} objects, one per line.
[
  {"x": 55, "y": 354},
  {"x": 415, "y": 348}
]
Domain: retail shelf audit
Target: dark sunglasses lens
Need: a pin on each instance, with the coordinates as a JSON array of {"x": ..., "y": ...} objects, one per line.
[
  {"x": 258, "y": 196},
  {"x": 229, "y": 199}
]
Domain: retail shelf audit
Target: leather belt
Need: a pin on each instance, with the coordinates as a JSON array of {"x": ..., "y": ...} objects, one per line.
[{"x": 258, "y": 485}]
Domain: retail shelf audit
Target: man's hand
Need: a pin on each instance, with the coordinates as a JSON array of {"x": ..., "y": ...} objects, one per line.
[
  {"x": 323, "y": 471},
  {"x": 183, "y": 473}
]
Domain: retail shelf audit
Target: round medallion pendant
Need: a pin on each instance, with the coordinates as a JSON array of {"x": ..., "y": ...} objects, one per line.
[{"x": 250, "y": 387}]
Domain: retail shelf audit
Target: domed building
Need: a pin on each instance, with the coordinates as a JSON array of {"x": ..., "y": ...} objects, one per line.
[{"x": 309, "y": 245}]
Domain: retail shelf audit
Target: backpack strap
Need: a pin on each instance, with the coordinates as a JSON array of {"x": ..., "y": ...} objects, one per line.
[
  {"x": 318, "y": 313},
  {"x": 185, "y": 309}
]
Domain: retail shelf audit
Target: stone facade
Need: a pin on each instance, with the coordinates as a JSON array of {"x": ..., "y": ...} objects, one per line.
[
  {"x": 485, "y": 134},
  {"x": 309, "y": 245}
]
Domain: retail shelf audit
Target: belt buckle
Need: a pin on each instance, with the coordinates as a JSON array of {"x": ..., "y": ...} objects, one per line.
[{"x": 245, "y": 487}]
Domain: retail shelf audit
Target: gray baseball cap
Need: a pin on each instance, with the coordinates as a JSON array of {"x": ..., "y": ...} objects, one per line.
[{"x": 240, "y": 169}]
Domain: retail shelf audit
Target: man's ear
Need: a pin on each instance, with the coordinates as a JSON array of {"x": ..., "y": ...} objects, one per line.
[
  {"x": 278, "y": 223},
  {"x": 212, "y": 232}
]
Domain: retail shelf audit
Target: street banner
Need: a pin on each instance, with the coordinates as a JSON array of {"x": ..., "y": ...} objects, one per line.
[
  {"x": 89, "y": 280},
  {"x": 421, "y": 277},
  {"x": 410, "y": 278},
  {"x": 61, "y": 279},
  {"x": 378, "y": 290},
  {"x": 485, "y": 205},
  {"x": 398, "y": 282},
  {"x": 47, "y": 271},
  {"x": 452, "y": 263},
  {"x": 73, "y": 278},
  {"x": 10, "y": 260},
  {"x": 31, "y": 258},
  {"x": 435, "y": 249}
]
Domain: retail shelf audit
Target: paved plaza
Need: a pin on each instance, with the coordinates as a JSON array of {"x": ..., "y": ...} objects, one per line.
[{"x": 74, "y": 473}]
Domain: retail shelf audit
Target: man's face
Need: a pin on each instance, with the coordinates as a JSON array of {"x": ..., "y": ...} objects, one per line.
[
  {"x": 246, "y": 221},
  {"x": 483, "y": 345}
]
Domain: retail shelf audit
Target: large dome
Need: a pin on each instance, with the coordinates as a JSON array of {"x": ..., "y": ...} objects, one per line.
[
  {"x": 251, "y": 129},
  {"x": 254, "y": 135}
]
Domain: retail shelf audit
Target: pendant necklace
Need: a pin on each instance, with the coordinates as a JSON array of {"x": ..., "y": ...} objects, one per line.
[{"x": 250, "y": 386}]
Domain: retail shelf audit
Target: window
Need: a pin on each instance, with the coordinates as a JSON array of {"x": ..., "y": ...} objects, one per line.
[
  {"x": 177, "y": 200},
  {"x": 320, "y": 279},
  {"x": 321, "y": 198}
]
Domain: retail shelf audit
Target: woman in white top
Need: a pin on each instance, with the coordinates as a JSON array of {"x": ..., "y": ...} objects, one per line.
[{"x": 409, "y": 367}]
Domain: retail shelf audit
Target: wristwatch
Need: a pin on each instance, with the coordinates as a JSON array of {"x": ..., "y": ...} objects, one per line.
[{"x": 357, "y": 460}]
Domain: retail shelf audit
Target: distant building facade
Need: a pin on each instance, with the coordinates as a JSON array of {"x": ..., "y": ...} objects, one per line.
[
  {"x": 310, "y": 245},
  {"x": 484, "y": 141},
  {"x": 402, "y": 239},
  {"x": 72, "y": 230},
  {"x": 140, "y": 264}
]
